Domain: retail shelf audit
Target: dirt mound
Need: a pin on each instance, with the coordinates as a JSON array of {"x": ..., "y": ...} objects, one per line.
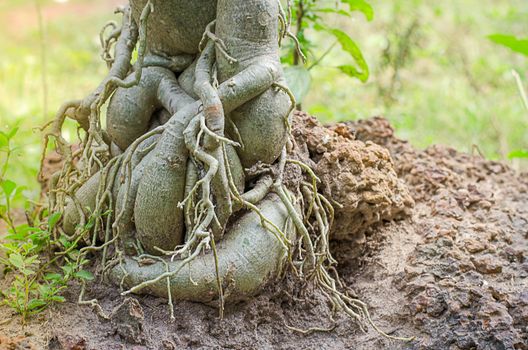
[
  {"x": 454, "y": 274},
  {"x": 464, "y": 281},
  {"x": 359, "y": 177}
]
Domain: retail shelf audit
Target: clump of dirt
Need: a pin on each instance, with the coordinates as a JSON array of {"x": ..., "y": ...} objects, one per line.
[
  {"x": 358, "y": 177},
  {"x": 454, "y": 274},
  {"x": 15, "y": 343}
]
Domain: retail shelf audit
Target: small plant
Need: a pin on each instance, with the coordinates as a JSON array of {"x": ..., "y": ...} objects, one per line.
[
  {"x": 310, "y": 15},
  {"x": 28, "y": 294},
  {"x": 26, "y": 252},
  {"x": 520, "y": 46}
]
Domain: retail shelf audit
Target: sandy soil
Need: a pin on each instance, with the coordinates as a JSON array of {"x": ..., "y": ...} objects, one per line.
[{"x": 453, "y": 271}]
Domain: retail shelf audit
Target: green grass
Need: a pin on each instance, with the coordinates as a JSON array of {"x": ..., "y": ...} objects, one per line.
[
  {"x": 455, "y": 87},
  {"x": 73, "y": 69}
]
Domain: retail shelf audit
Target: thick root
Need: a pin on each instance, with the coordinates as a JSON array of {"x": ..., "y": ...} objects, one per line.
[
  {"x": 191, "y": 177},
  {"x": 120, "y": 67},
  {"x": 158, "y": 217},
  {"x": 130, "y": 109},
  {"x": 249, "y": 257},
  {"x": 252, "y": 40},
  {"x": 127, "y": 191},
  {"x": 262, "y": 127}
]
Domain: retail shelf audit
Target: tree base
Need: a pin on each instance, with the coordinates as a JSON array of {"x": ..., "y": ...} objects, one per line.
[{"x": 443, "y": 275}]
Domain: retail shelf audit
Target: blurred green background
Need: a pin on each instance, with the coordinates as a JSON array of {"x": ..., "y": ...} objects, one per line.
[{"x": 434, "y": 74}]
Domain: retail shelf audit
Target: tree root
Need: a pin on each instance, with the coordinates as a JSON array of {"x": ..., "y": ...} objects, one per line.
[
  {"x": 249, "y": 256},
  {"x": 185, "y": 174}
]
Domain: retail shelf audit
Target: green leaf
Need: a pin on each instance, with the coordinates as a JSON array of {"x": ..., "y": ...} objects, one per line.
[
  {"x": 299, "y": 81},
  {"x": 30, "y": 260},
  {"x": 333, "y": 10},
  {"x": 53, "y": 277},
  {"x": 16, "y": 260},
  {"x": 350, "y": 46},
  {"x": 19, "y": 236},
  {"x": 74, "y": 254},
  {"x": 53, "y": 219},
  {"x": 10, "y": 247},
  {"x": 12, "y": 133},
  {"x": 27, "y": 272},
  {"x": 23, "y": 232},
  {"x": 35, "y": 304},
  {"x": 511, "y": 42},
  {"x": 65, "y": 242},
  {"x": 362, "y": 6},
  {"x": 8, "y": 186},
  {"x": 4, "y": 140},
  {"x": 68, "y": 270},
  {"x": 58, "y": 299},
  {"x": 85, "y": 275},
  {"x": 518, "y": 154},
  {"x": 351, "y": 71}
]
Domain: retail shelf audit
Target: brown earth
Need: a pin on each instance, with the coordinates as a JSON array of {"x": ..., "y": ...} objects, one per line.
[{"x": 453, "y": 272}]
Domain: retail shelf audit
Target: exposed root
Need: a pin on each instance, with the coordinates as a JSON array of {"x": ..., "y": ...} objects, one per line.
[
  {"x": 312, "y": 329},
  {"x": 93, "y": 303},
  {"x": 293, "y": 103},
  {"x": 204, "y": 244},
  {"x": 108, "y": 41},
  {"x": 285, "y": 31},
  {"x": 211, "y": 192},
  {"x": 93, "y": 154},
  {"x": 87, "y": 111},
  {"x": 219, "y": 43},
  {"x": 318, "y": 261}
]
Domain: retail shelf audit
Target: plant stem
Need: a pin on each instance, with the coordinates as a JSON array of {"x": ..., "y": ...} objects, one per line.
[
  {"x": 320, "y": 59},
  {"x": 520, "y": 86},
  {"x": 300, "y": 19}
]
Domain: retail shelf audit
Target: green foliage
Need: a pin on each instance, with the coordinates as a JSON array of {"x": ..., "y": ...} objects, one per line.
[
  {"x": 518, "y": 154},
  {"x": 454, "y": 86},
  {"x": 511, "y": 42},
  {"x": 9, "y": 188},
  {"x": 360, "y": 5},
  {"x": 349, "y": 46},
  {"x": 29, "y": 291},
  {"x": 27, "y": 251},
  {"x": 519, "y": 46},
  {"x": 312, "y": 15}
]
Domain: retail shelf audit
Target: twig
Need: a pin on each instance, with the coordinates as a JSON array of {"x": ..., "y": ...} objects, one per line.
[{"x": 522, "y": 91}]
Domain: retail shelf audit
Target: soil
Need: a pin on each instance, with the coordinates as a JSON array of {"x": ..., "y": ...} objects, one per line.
[{"x": 452, "y": 271}]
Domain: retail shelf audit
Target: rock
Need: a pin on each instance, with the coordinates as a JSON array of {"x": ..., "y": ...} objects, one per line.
[
  {"x": 128, "y": 320},
  {"x": 487, "y": 264},
  {"x": 67, "y": 342},
  {"x": 447, "y": 206},
  {"x": 524, "y": 270},
  {"x": 168, "y": 345},
  {"x": 500, "y": 293},
  {"x": 523, "y": 298},
  {"x": 473, "y": 246},
  {"x": 513, "y": 254}
]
